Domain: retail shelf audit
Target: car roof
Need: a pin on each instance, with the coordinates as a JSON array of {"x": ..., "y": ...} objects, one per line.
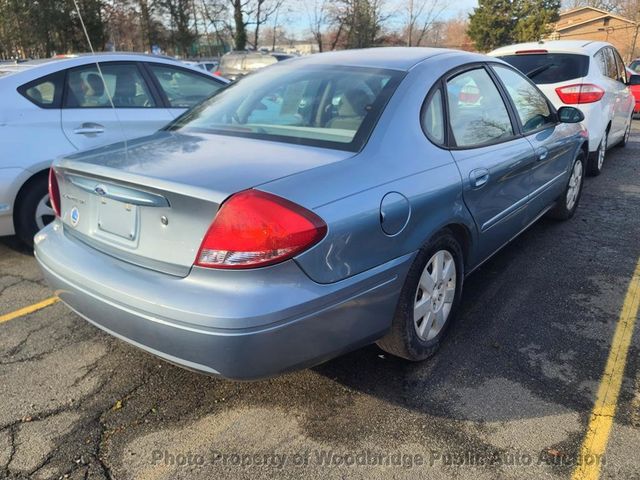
[
  {"x": 392, "y": 58},
  {"x": 25, "y": 71},
  {"x": 564, "y": 46}
]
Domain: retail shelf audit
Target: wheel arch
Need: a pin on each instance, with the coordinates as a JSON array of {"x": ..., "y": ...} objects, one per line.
[{"x": 24, "y": 188}]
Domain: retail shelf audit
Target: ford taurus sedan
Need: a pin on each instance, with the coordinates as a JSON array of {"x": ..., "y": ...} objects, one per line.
[{"x": 322, "y": 204}]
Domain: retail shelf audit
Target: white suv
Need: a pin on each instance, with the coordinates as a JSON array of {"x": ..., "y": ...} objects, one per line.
[{"x": 586, "y": 74}]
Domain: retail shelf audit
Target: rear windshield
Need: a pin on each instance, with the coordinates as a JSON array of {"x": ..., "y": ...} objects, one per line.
[
  {"x": 544, "y": 68},
  {"x": 334, "y": 107}
]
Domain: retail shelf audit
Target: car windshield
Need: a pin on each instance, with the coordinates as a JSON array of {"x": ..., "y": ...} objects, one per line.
[
  {"x": 543, "y": 68},
  {"x": 334, "y": 107}
]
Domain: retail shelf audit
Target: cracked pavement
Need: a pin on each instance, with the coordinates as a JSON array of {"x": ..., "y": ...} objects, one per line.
[{"x": 515, "y": 379}]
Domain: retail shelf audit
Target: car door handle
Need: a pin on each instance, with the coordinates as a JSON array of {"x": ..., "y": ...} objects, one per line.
[
  {"x": 479, "y": 177},
  {"x": 89, "y": 129},
  {"x": 542, "y": 153}
]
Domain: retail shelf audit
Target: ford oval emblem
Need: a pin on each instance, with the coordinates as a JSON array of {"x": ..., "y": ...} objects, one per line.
[
  {"x": 100, "y": 190},
  {"x": 74, "y": 216}
]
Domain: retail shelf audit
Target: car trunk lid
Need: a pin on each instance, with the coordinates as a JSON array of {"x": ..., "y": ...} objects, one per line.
[{"x": 151, "y": 203}]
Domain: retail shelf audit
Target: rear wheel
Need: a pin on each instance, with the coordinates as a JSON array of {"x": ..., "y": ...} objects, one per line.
[
  {"x": 567, "y": 204},
  {"x": 33, "y": 210},
  {"x": 428, "y": 301},
  {"x": 596, "y": 162}
]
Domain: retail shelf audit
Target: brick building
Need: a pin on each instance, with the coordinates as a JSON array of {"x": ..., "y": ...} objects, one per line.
[{"x": 591, "y": 23}]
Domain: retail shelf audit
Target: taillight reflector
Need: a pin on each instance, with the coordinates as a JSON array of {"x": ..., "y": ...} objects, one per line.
[
  {"x": 255, "y": 229},
  {"x": 54, "y": 192},
  {"x": 580, "y": 93}
]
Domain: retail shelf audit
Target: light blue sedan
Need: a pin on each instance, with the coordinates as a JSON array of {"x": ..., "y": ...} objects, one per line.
[{"x": 316, "y": 206}]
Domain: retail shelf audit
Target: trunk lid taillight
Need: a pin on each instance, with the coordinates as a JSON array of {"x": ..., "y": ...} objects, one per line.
[
  {"x": 580, "y": 93},
  {"x": 54, "y": 192},
  {"x": 255, "y": 229}
]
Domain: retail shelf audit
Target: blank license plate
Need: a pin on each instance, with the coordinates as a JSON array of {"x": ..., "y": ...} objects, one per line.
[{"x": 117, "y": 218}]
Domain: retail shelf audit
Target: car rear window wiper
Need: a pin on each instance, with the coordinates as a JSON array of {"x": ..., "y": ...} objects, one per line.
[{"x": 538, "y": 71}]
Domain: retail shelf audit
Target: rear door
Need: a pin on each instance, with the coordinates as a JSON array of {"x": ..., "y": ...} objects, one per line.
[
  {"x": 495, "y": 162},
  {"x": 182, "y": 88},
  {"x": 624, "y": 98},
  {"x": 554, "y": 149},
  {"x": 88, "y": 117}
]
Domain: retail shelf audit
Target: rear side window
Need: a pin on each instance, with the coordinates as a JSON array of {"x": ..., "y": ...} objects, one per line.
[
  {"x": 545, "y": 68},
  {"x": 433, "y": 118},
  {"x": 45, "y": 92},
  {"x": 124, "y": 86},
  {"x": 477, "y": 112},
  {"x": 612, "y": 68}
]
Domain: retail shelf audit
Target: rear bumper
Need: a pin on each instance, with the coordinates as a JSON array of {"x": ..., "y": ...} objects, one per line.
[{"x": 236, "y": 324}]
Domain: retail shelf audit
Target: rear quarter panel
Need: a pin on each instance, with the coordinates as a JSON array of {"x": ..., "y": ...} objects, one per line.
[{"x": 397, "y": 158}]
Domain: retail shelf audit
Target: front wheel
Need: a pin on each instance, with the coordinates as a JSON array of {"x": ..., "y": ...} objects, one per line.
[
  {"x": 567, "y": 204},
  {"x": 33, "y": 210},
  {"x": 428, "y": 300}
]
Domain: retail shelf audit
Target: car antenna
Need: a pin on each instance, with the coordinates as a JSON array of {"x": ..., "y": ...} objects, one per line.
[{"x": 104, "y": 83}]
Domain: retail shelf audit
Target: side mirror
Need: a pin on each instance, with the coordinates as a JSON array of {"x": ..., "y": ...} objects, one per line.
[
  {"x": 570, "y": 115},
  {"x": 634, "y": 80}
]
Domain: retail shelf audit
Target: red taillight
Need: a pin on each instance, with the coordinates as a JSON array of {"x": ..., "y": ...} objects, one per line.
[
  {"x": 254, "y": 229},
  {"x": 54, "y": 192},
  {"x": 580, "y": 93}
]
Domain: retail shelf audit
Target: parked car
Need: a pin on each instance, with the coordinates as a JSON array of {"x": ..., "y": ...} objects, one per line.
[
  {"x": 634, "y": 87},
  {"x": 590, "y": 75},
  {"x": 206, "y": 65},
  {"x": 245, "y": 244},
  {"x": 58, "y": 106},
  {"x": 234, "y": 65}
]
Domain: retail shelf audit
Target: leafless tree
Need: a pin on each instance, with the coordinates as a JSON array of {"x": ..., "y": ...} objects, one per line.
[{"x": 420, "y": 17}]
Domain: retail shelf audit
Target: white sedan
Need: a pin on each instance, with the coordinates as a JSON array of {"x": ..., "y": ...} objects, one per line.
[
  {"x": 55, "y": 107},
  {"x": 584, "y": 74}
]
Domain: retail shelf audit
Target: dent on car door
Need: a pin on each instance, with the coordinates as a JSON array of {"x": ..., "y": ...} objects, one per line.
[
  {"x": 553, "y": 146},
  {"x": 88, "y": 117},
  {"x": 495, "y": 163}
]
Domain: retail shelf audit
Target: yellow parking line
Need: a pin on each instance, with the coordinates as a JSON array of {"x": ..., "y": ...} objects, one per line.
[
  {"x": 30, "y": 309},
  {"x": 601, "y": 420}
]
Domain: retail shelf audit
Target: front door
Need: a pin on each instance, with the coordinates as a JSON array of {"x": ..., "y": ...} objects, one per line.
[{"x": 495, "y": 164}]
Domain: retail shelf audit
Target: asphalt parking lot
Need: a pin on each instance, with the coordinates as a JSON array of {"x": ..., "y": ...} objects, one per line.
[{"x": 508, "y": 396}]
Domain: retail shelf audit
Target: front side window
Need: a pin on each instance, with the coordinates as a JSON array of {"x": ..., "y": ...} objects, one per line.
[
  {"x": 336, "y": 107},
  {"x": 124, "y": 86},
  {"x": 622, "y": 71},
  {"x": 184, "y": 89},
  {"x": 477, "y": 113},
  {"x": 45, "y": 91},
  {"x": 531, "y": 106}
]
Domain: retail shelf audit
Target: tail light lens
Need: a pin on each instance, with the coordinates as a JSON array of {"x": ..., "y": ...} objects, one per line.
[
  {"x": 54, "y": 192},
  {"x": 580, "y": 93},
  {"x": 255, "y": 229}
]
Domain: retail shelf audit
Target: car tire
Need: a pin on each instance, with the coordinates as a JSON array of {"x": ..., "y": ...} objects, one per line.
[
  {"x": 439, "y": 307},
  {"x": 567, "y": 204},
  {"x": 596, "y": 160},
  {"x": 627, "y": 132},
  {"x": 33, "y": 209}
]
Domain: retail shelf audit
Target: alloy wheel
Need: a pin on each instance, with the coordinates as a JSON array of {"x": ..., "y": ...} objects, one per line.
[
  {"x": 575, "y": 182},
  {"x": 434, "y": 295},
  {"x": 44, "y": 212},
  {"x": 602, "y": 151}
]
